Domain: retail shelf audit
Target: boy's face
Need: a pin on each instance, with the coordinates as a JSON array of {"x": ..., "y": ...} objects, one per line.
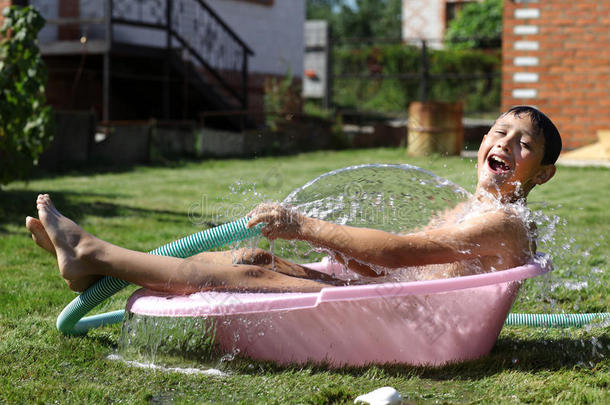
[{"x": 509, "y": 158}]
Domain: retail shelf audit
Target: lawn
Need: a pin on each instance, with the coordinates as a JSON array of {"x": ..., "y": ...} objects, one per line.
[{"x": 146, "y": 206}]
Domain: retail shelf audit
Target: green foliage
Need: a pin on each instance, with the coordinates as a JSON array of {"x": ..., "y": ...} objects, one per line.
[
  {"x": 281, "y": 97},
  {"x": 369, "y": 19},
  {"x": 26, "y": 124},
  {"x": 320, "y": 9},
  {"x": 394, "y": 94},
  {"x": 477, "y": 25},
  {"x": 358, "y": 18},
  {"x": 314, "y": 108},
  {"x": 375, "y": 19}
]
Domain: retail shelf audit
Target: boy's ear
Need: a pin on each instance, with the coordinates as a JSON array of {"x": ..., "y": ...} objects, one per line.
[{"x": 545, "y": 174}]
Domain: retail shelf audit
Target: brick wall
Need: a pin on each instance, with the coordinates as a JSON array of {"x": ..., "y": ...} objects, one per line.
[
  {"x": 556, "y": 56},
  {"x": 3, "y": 5}
]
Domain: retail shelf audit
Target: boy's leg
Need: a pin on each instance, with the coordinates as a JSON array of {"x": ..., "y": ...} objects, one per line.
[
  {"x": 267, "y": 260},
  {"x": 81, "y": 256}
]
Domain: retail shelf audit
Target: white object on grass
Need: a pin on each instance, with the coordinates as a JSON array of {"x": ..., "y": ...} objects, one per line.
[{"x": 381, "y": 396}]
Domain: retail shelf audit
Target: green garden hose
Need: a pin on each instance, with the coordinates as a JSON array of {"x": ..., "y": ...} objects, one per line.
[
  {"x": 69, "y": 321},
  {"x": 553, "y": 320}
]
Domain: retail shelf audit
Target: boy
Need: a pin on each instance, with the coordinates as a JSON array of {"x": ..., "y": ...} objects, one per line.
[{"x": 518, "y": 153}]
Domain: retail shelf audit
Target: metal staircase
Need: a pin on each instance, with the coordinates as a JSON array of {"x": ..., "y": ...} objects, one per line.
[
  {"x": 195, "y": 35},
  {"x": 186, "y": 36}
]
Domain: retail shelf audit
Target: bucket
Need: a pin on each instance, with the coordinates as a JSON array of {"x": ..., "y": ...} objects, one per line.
[{"x": 435, "y": 127}]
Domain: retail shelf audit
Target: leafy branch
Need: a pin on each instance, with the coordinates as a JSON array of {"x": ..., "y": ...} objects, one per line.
[{"x": 26, "y": 124}]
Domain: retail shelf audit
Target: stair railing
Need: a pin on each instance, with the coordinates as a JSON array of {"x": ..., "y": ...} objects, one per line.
[{"x": 204, "y": 38}]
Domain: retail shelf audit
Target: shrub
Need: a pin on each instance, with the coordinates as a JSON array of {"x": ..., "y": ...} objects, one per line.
[
  {"x": 282, "y": 99},
  {"x": 378, "y": 88},
  {"x": 26, "y": 124},
  {"x": 477, "y": 25}
]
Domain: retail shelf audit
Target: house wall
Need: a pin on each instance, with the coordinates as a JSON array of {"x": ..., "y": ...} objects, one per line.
[
  {"x": 67, "y": 91},
  {"x": 274, "y": 30},
  {"x": 423, "y": 19},
  {"x": 556, "y": 56},
  {"x": 89, "y": 9},
  {"x": 427, "y": 19},
  {"x": 53, "y": 9}
]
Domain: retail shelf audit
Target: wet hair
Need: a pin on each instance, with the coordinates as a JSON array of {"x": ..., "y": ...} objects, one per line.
[{"x": 543, "y": 125}]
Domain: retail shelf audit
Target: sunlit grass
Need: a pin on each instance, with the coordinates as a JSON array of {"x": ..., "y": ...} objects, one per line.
[{"x": 148, "y": 206}]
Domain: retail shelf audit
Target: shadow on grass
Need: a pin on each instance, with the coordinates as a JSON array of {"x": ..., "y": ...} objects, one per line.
[
  {"x": 535, "y": 354},
  {"x": 95, "y": 167},
  {"x": 15, "y": 205}
]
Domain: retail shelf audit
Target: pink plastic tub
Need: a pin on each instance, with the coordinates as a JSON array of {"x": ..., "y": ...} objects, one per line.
[{"x": 424, "y": 322}]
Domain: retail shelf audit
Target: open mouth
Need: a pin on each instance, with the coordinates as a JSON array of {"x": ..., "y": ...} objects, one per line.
[{"x": 497, "y": 164}]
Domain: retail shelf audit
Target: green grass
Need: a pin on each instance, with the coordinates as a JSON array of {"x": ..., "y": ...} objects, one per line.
[{"x": 148, "y": 206}]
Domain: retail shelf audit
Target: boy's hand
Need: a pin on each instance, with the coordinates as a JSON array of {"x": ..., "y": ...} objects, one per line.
[{"x": 281, "y": 222}]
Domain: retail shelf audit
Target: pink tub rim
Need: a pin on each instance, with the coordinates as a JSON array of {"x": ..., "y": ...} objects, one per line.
[
  {"x": 519, "y": 273},
  {"x": 211, "y": 303}
]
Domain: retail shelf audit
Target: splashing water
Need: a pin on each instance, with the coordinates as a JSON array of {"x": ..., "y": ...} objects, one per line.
[
  {"x": 394, "y": 198},
  {"x": 397, "y": 198},
  {"x": 176, "y": 343}
]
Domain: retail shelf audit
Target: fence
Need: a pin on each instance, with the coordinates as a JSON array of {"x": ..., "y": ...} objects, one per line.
[{"x": 385, "y": 75}]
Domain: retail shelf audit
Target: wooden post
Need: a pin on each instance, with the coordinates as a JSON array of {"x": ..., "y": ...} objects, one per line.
[
  {"x": 423, "y": 83},
  {"x": 328, "y": 92}
]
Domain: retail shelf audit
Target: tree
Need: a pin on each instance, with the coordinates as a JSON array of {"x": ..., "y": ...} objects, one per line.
[
  {"x": 477, "y": 25},
  {"x": 321, "y": 9},
  {"x": 26, "y": 124},
  {"x": 359, "y": 18}
]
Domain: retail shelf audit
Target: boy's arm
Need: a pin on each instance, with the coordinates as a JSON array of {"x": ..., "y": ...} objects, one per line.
[
  {"x": 493, "y": 234},
  {"x": 496, "y": 233}
]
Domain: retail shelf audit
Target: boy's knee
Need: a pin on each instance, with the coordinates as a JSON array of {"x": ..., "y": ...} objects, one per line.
[{"x": 254, "y": 272}]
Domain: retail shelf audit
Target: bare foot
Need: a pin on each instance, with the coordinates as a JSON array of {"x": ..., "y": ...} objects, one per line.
[
  {"x": 40, "y": 235},
  {"x": 71, "y": 244}
]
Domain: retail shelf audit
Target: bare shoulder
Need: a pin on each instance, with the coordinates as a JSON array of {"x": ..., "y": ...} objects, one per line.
[
  {"x": 501, "y": 216},
  {"x": 500, "y": 228},
  {"x": 502, "y": 220}
]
